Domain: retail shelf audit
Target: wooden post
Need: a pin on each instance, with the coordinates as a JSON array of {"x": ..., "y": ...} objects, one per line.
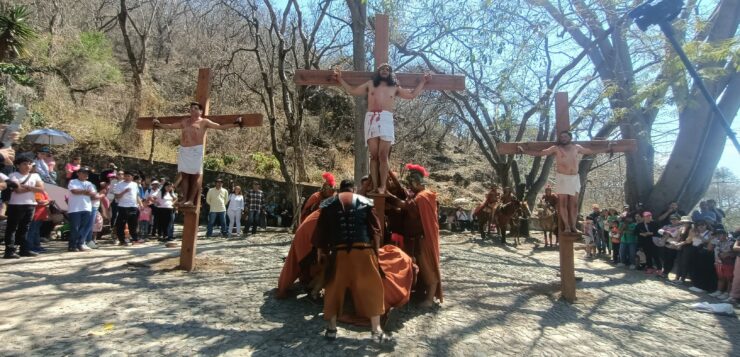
[
  {"x": 382, "y": 39},
  {"x": 379, "y": 207}
]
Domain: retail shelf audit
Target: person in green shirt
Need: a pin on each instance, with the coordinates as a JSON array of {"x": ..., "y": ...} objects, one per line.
[{"x": 628, "y": 242}]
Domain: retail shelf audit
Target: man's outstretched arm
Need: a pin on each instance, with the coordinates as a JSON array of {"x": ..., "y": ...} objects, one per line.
[
  {"x": 408, "y": 94},
  {"x": 157, "y": 124},
  {"x": 355, "y": 91},
  {"x": 589, "y": 151},
  {"x": 549, "y": 151},
  {"x": 213, "y": 125}
]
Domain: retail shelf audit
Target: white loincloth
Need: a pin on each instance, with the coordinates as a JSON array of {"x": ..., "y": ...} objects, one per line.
[
  {"x": 190, "y": 159},
  {"x": 567, "y": 184},
  {"x": 379, "y": 125}
]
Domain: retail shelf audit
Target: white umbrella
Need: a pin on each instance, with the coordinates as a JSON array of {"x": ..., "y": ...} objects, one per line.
[{"x": 49, "y": 137}]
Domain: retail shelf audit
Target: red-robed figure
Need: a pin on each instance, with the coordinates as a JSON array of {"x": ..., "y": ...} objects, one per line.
[
  {"x": 421, "y": 230},
  {"x": 313, "y": 201}
]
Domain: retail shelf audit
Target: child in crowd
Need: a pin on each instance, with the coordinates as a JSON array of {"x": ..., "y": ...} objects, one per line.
[
  {"x": 614, "y": 237},
  {"x": 724, "y": 262},
  {"x": 145, "y": 216}
]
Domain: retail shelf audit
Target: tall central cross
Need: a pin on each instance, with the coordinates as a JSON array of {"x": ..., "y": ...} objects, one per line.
[
  {"x": 192, "y": 213},
  {"x": 355, "y": 78},
  {"x": 562, "y": 123}
]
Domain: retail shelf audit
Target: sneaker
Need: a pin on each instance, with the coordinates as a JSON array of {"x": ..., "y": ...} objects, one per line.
[
  {"x": 633, "y": 267},
  {"x": 723, "y": 296},
  {"x": 91, "y": 244},
  {"x": 29, "y": 254},
  {"x": 84, "y": 248},
  {"x": 716, "y": 293},
  {"x": 72, "y": 250},
  {"x": 696, "y": 290},
  {"x": 11, "y": 256},
  {"x": 39, "y": 250},
  {"x": 619, "y": 265}
]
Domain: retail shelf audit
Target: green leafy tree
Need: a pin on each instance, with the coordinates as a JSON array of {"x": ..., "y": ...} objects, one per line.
[{"x": 15, "y": 32}]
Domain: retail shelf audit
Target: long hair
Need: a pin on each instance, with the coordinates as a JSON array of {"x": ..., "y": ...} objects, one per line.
[{"x": 390, "y": 80}]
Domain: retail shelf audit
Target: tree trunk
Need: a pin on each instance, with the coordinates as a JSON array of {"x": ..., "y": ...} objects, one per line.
[
  {"x": 128, "y": 128},
  {"x": 358, "y": 9}
]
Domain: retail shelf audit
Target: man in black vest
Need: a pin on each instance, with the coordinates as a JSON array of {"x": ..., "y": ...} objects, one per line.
[{"x": 347, "y": 235}]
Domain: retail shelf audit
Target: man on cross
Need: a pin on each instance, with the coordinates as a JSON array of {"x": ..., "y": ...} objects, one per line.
[
  {"x": 190, "y": 153},
  {"x": 381, "y": 93},
  {"x": 567, "y": 182}
]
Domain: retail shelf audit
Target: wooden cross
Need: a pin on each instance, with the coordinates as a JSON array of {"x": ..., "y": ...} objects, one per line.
[
  {"x": 380, "y": 53},
  {"x": 562, "y": 123},
  {"x": 192, "y": 214}
]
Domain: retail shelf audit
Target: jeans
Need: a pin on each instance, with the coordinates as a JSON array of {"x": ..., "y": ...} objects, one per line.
[
  {"x": 127, "y": 216},
  {"x": 253, "y": 221},
  {"x": 34, "y": 235},
  {"x": 144, "y": 229},
  {"x": 627, "y": 253},
  {"x": 212, "y": 216},
  {"x": 235, "y": 220},
  {"x": 171, "y": 228},
  {"x": 79, "y": 223},
  {"x": 16, "y": 230},
  {"x": 93, "y": 213}
]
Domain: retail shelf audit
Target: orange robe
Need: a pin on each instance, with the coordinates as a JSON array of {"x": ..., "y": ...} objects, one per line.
[
  {"x": 299, "y": 249},
  {"x": 427, "y": 253},
  {"x": 311, "y": 205}
]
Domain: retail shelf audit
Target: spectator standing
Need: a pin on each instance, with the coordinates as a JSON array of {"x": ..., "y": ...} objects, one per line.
[
  {"x": 628, "y": 242},
  {"x": 42, "y": 167},
  {"x": 703, "y": 273},
  {"x": 216, "y": 200},
  {"x": 40, "y": 215},
  {"x": 126, "y": 193},
  {"x": 80, "y": 205},
  {"x": 718, "y": 212},
  {"x": 235, "y": 211},
  {"x": 20, "y": 209},
  {"x": 71, "y": 167},
  {"x": 724, "y": 262},
  {"x": 255, "y": 204},
  {"x": 165, "y": 203}
]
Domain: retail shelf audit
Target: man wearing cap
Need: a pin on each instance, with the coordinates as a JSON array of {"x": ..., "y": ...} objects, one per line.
[
  {"x": 190, "y": 153},
  {"x": 381, "y": 93},
  {"x": 568, "y": 183},
  {"x": 646, "y": 230},
  {"x": 216, "y": 199},
  {"x": 42, "y": 168},
  {"x": 80, "y": 205},
  {"x": 126, "y": 193}
]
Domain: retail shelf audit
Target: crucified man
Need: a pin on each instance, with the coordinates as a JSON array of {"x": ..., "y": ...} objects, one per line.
[
  {"x": 381, "y": 93},
  {"x": 567, "y": 182},
  {"x": 190, "y": 153}
]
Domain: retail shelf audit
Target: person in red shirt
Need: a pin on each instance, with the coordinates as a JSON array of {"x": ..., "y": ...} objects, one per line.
[{"x": 40, "y": 215}]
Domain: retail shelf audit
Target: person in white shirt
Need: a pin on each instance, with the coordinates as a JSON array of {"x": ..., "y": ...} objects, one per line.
[
  {"x": 216, "y": 199},
  {"x": 80, "y": 205},
  {"x": 126, "y": 193},
  {"x": 21, "y": 206},
  {"x": 165, "y": 203},
  {"x": 235, "y": 210}
]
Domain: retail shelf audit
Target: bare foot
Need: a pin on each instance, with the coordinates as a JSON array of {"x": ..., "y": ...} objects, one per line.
[
  {"x": 186, "y": 204},
  {"x": 566, "y": 230},
  {"x": 381, "y": 190},
  {"x": 575, "y": 230}
]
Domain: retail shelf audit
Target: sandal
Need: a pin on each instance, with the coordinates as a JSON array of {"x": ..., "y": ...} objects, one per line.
[
  {"x": 331, "y": 334},
  {"x": 382, "y": 338}
]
